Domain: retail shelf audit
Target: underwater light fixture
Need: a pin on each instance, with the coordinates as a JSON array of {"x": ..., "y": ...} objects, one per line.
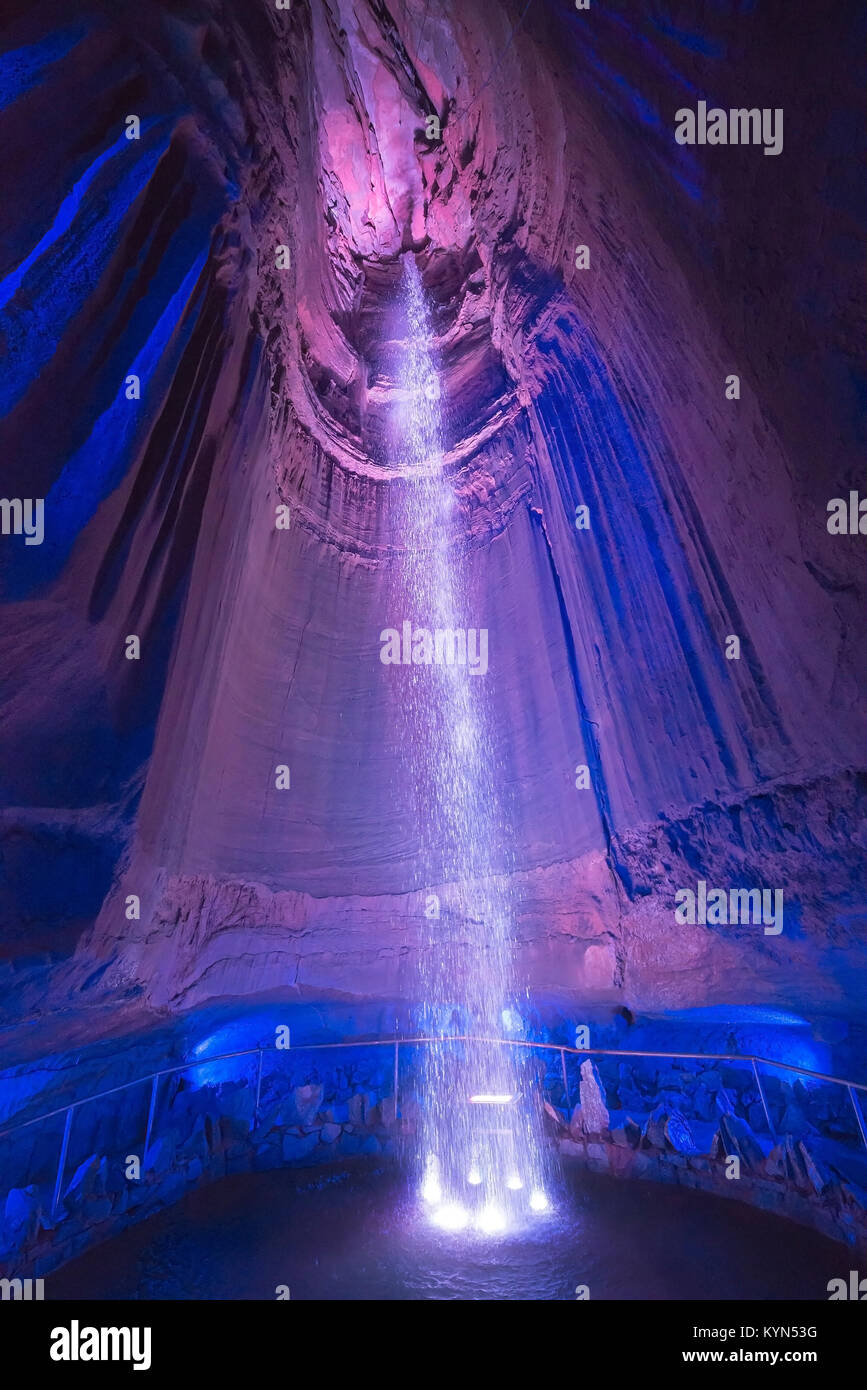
[
  {"x": 451, "y": 1217},
  {"x": 491, "y": 1100},
  {"x": 430, "y": 1190},
  {"x": 491, "y": 1220}
]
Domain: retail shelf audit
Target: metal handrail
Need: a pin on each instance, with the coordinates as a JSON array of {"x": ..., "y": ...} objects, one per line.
[
  {"x": 396, "y": 1043},
  {"x": 467, "y": 1037}
]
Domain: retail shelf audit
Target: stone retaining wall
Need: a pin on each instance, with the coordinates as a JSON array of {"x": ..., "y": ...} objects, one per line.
[
  {"x": 668, "y": 1122},
  {"x": 307, "y": 1114},
  {"x": 812, "y": 1180}
]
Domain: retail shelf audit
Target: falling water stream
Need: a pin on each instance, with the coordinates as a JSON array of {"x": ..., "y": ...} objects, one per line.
[{"x": 481, "y": 1156}]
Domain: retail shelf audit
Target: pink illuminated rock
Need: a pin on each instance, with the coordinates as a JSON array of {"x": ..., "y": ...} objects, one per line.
[{"x": 561, "y": 388}]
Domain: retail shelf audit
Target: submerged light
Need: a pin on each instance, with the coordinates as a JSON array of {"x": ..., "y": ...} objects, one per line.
[
  {"x": 538, "y": 1201},
  {"x": 491, "y": 1220},
  {"x": 514, "y": 1183},
  {"x": 431, "y": 1189},
  {"x": 491, "y": 1100},
  {"x": 452, "y": 1217}
]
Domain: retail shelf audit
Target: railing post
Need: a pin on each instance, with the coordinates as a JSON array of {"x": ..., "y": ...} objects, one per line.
[
  {"x": 764, "y": 1102},
  {"x": 396, "y": 1049},
  {"x": 258, "y": 1090},
  {"x": 859, "y": 1114},
  {"x": 565, "y": 1079},
  {"x": 61, "y": 1164},
  {"x": 151, "y": 1109}
]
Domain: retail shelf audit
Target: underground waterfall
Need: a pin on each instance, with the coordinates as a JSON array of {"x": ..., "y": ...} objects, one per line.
[
  {"x": 423, "y": 582},
  {"x": 480, "y": 1151}
]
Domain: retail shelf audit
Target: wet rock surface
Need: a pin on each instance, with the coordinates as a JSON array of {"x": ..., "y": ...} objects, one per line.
[{"x": 561, "y": 388}]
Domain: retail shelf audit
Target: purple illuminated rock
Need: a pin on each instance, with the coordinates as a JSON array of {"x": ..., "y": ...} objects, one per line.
[
  {"x": 561, "y": 387},
  {"x": 735, "y": 1138},
  {"x": 590, "y": 1117},
  {"x": 306, "y": 1101}
]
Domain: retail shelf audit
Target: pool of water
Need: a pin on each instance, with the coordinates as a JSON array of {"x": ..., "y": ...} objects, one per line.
[{"x": 357, "y": 1234}]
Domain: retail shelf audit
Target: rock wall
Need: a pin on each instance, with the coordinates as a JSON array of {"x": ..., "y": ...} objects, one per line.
[
  {"x": 561, "y": 387},
  {"x": 651, "y": 1119},
  {"x": 208, "y": 1124},
  {"x": 786, "y": 1147}
]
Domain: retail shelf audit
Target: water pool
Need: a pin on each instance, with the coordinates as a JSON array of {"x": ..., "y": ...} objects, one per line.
[{"x": 356, "y": 1234}]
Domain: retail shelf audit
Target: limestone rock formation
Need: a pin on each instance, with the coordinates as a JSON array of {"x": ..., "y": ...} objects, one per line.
[{"x": 261, "y": 387}]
